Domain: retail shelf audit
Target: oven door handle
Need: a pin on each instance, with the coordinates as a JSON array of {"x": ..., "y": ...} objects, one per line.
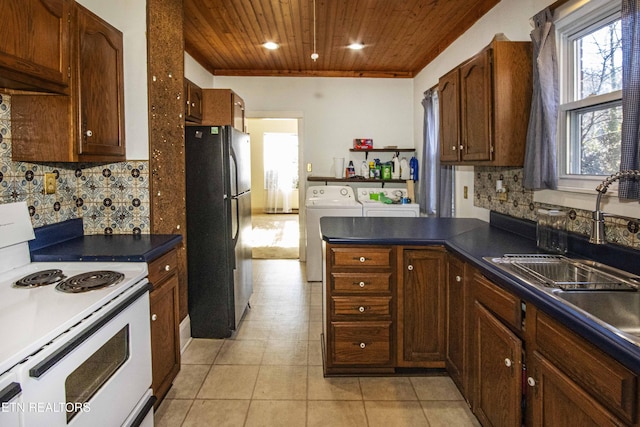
[
  {"x": 41, "y": 368},
  {"x": 9, "y": 392},
  {"x": 148, "y": 405}
]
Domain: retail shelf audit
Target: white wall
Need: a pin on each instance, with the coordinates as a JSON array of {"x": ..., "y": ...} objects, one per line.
[
  {"x": 196, "y": 72},
  {"x": 335, "y": 110},
  {"x": 130, "y": 17}
]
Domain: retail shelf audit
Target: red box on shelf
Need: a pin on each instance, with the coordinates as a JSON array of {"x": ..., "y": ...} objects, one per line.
[{"x": 362, "y": 144}]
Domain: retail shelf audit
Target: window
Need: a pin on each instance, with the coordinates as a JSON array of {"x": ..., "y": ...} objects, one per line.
[{"x": 590, "y": 75}]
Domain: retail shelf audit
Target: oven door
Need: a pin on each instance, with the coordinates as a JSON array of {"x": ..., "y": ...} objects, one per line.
[
  {"x": 96, "y": 373},
  {"x": 10, "y": 400}
]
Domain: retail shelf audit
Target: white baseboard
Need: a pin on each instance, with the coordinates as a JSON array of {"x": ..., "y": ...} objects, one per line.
[{"x": 185, "y": 333}]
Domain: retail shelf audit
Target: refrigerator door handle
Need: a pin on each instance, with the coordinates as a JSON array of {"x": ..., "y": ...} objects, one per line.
[{"x": 236, "y": 223}]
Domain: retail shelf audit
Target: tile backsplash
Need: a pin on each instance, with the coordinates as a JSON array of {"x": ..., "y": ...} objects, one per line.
[
  {"x": 111, "y": 198},
  {"x": 520, "y": 204}
]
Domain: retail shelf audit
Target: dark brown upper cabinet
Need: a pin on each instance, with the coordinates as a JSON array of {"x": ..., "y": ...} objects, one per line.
[
  {"x": 34, "y": 45},
  {"x": 88, "y": 124},
  {"x": 484, "y": 106}
]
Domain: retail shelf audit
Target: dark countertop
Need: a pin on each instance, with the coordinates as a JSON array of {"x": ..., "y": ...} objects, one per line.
[
  {"x": 66, "y": 242},
  {"x": 474, "y": 239}
]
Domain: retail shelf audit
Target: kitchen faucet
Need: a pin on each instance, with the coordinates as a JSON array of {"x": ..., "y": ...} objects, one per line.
[{"x": 597, "y": 217}]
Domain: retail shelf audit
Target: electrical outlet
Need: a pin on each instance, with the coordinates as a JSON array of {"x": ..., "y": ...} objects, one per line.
[
  {"x": 49, "y": 183},
  {"x": 502, "y": 196}
]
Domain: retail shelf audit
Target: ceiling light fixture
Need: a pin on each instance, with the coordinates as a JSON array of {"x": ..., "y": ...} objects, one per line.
[
  {"x": 271, "y": 45},
  {"x": 356, "y": 46},
  {"x": 314, "y": 55}
]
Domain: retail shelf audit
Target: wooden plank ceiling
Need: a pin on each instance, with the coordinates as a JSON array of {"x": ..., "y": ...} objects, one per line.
[{"x": 400, "y": 36}]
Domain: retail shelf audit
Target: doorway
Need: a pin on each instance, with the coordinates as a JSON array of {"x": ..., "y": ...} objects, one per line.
[{"x": 275, "y": 153}]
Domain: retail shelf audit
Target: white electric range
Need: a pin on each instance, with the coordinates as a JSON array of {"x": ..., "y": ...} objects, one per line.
[{"x": 79, "y": 357}]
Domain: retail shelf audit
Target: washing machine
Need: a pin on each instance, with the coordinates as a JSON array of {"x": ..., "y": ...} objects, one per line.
[
  {"x": 328, "y": 200},
  {"x": 372, "y": 207}
]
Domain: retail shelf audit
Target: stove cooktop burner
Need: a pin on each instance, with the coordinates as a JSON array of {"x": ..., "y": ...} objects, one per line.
[
  {"x": 40, "y": 278},
  {"x": 89, "y": 281}
]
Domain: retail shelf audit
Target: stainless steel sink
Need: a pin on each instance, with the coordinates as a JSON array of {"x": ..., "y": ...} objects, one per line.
[
  {"x": 608, "y": 296},
  {"x": 618, "y": 309},
  {"x": 560, "y": 272}
]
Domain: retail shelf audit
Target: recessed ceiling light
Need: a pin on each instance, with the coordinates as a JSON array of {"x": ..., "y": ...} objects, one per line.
[
  {"x": 356, "y": 46},
  {"x": 271, "y": 45}
]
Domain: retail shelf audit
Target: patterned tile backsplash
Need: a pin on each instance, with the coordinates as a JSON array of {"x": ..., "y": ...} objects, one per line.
[
  {"x": 111, "y": 198},
  {"x": 520, "y": 204}
]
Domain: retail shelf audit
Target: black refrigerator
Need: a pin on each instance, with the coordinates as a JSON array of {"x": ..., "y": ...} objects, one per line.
[{"x": 218, "y": 202}]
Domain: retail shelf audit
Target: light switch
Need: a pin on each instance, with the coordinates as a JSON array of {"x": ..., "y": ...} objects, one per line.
[
  {"x": 309, "y": 167},
  {"x": 465, "y": 192}
]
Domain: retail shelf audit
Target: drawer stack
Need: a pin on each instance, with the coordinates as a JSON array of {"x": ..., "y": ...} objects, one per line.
[{"x": 359, "y": 314}]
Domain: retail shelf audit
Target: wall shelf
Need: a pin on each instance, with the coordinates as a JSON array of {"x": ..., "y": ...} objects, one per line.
[
  {"x": 328, "y": 179},
  {"x": 382, "y": 150}
]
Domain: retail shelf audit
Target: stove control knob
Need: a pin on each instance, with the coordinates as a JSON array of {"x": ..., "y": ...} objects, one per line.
[{"x": 154, "y": 317}]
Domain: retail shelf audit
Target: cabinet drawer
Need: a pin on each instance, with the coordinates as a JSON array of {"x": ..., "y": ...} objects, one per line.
[
  {"x": 606, "y": 379},
  {"x": 361, "y": 343},
  {"x": 163, "y": 267},
  {"x": 500, "y": 302},
  {"x": 360, "y": 283},
  {"x": 361, "y": 307},
  {"x": 361, "y": 257}
]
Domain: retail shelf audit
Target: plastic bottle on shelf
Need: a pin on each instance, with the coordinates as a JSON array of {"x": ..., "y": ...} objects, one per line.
[
  {"x": 395, "y": 173},
  {"x": 351, "y": 170},
  {"x": 413, "y": 166},
  {"x": 364, "y": 169}
]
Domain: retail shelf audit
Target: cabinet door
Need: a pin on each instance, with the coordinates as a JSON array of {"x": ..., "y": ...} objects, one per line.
[
  {"x": 557, "y": 401},
  {"x": 476, "y": 107},
  {"x": 238, "y": 111},
  {"x": 497, "y": 371},
  {"x": 193, "y": 103},
  {"x": 455, "y": 297},
  {"x": 34, "y": 53},
  {"x": 421, "y": 300},
  {"x": 449, "y": 101},
  {"x": 165, "y": 338},
  {"x": 100, "y": 88}
]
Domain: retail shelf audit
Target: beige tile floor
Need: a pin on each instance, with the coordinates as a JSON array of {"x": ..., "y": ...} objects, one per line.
[{"x": 270, "y": 373}]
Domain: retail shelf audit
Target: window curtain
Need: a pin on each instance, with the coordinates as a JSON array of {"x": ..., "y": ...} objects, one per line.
[
  {"x": 435, "y": 187},
  {"x": 630, "y": 158},
  {"x": 540, "y": 159}
]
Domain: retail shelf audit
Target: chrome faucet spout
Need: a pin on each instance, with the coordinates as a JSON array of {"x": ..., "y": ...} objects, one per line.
[{"x": 597, "y": 217}]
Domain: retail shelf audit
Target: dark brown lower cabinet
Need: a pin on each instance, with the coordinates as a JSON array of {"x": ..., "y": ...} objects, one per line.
[
  {"x": 456, "y": 320},
  {"x": 421, "y": 320},
  {"x": 165, "y": 323},
  {"x": 498, "y": 371},
  {"x": 556, "y": 400}
]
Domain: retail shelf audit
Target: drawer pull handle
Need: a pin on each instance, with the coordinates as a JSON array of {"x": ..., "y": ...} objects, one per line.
[
  {"x": 410, "y": 267},
  {"x": 508, "y": 362},
  {"x": 453, "y": 147},
  {"x": 362, "y": 345},
  {"x": 154, "y": 317},
  {"x": 362, "y": 259},
  {"x": 167, "y": 267},
  {"x": 361, "y": 309},
  {"x": 531, "y": 382},
  {"x": 458, "y": 279},
  {"x": 361, "y": 284}
]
